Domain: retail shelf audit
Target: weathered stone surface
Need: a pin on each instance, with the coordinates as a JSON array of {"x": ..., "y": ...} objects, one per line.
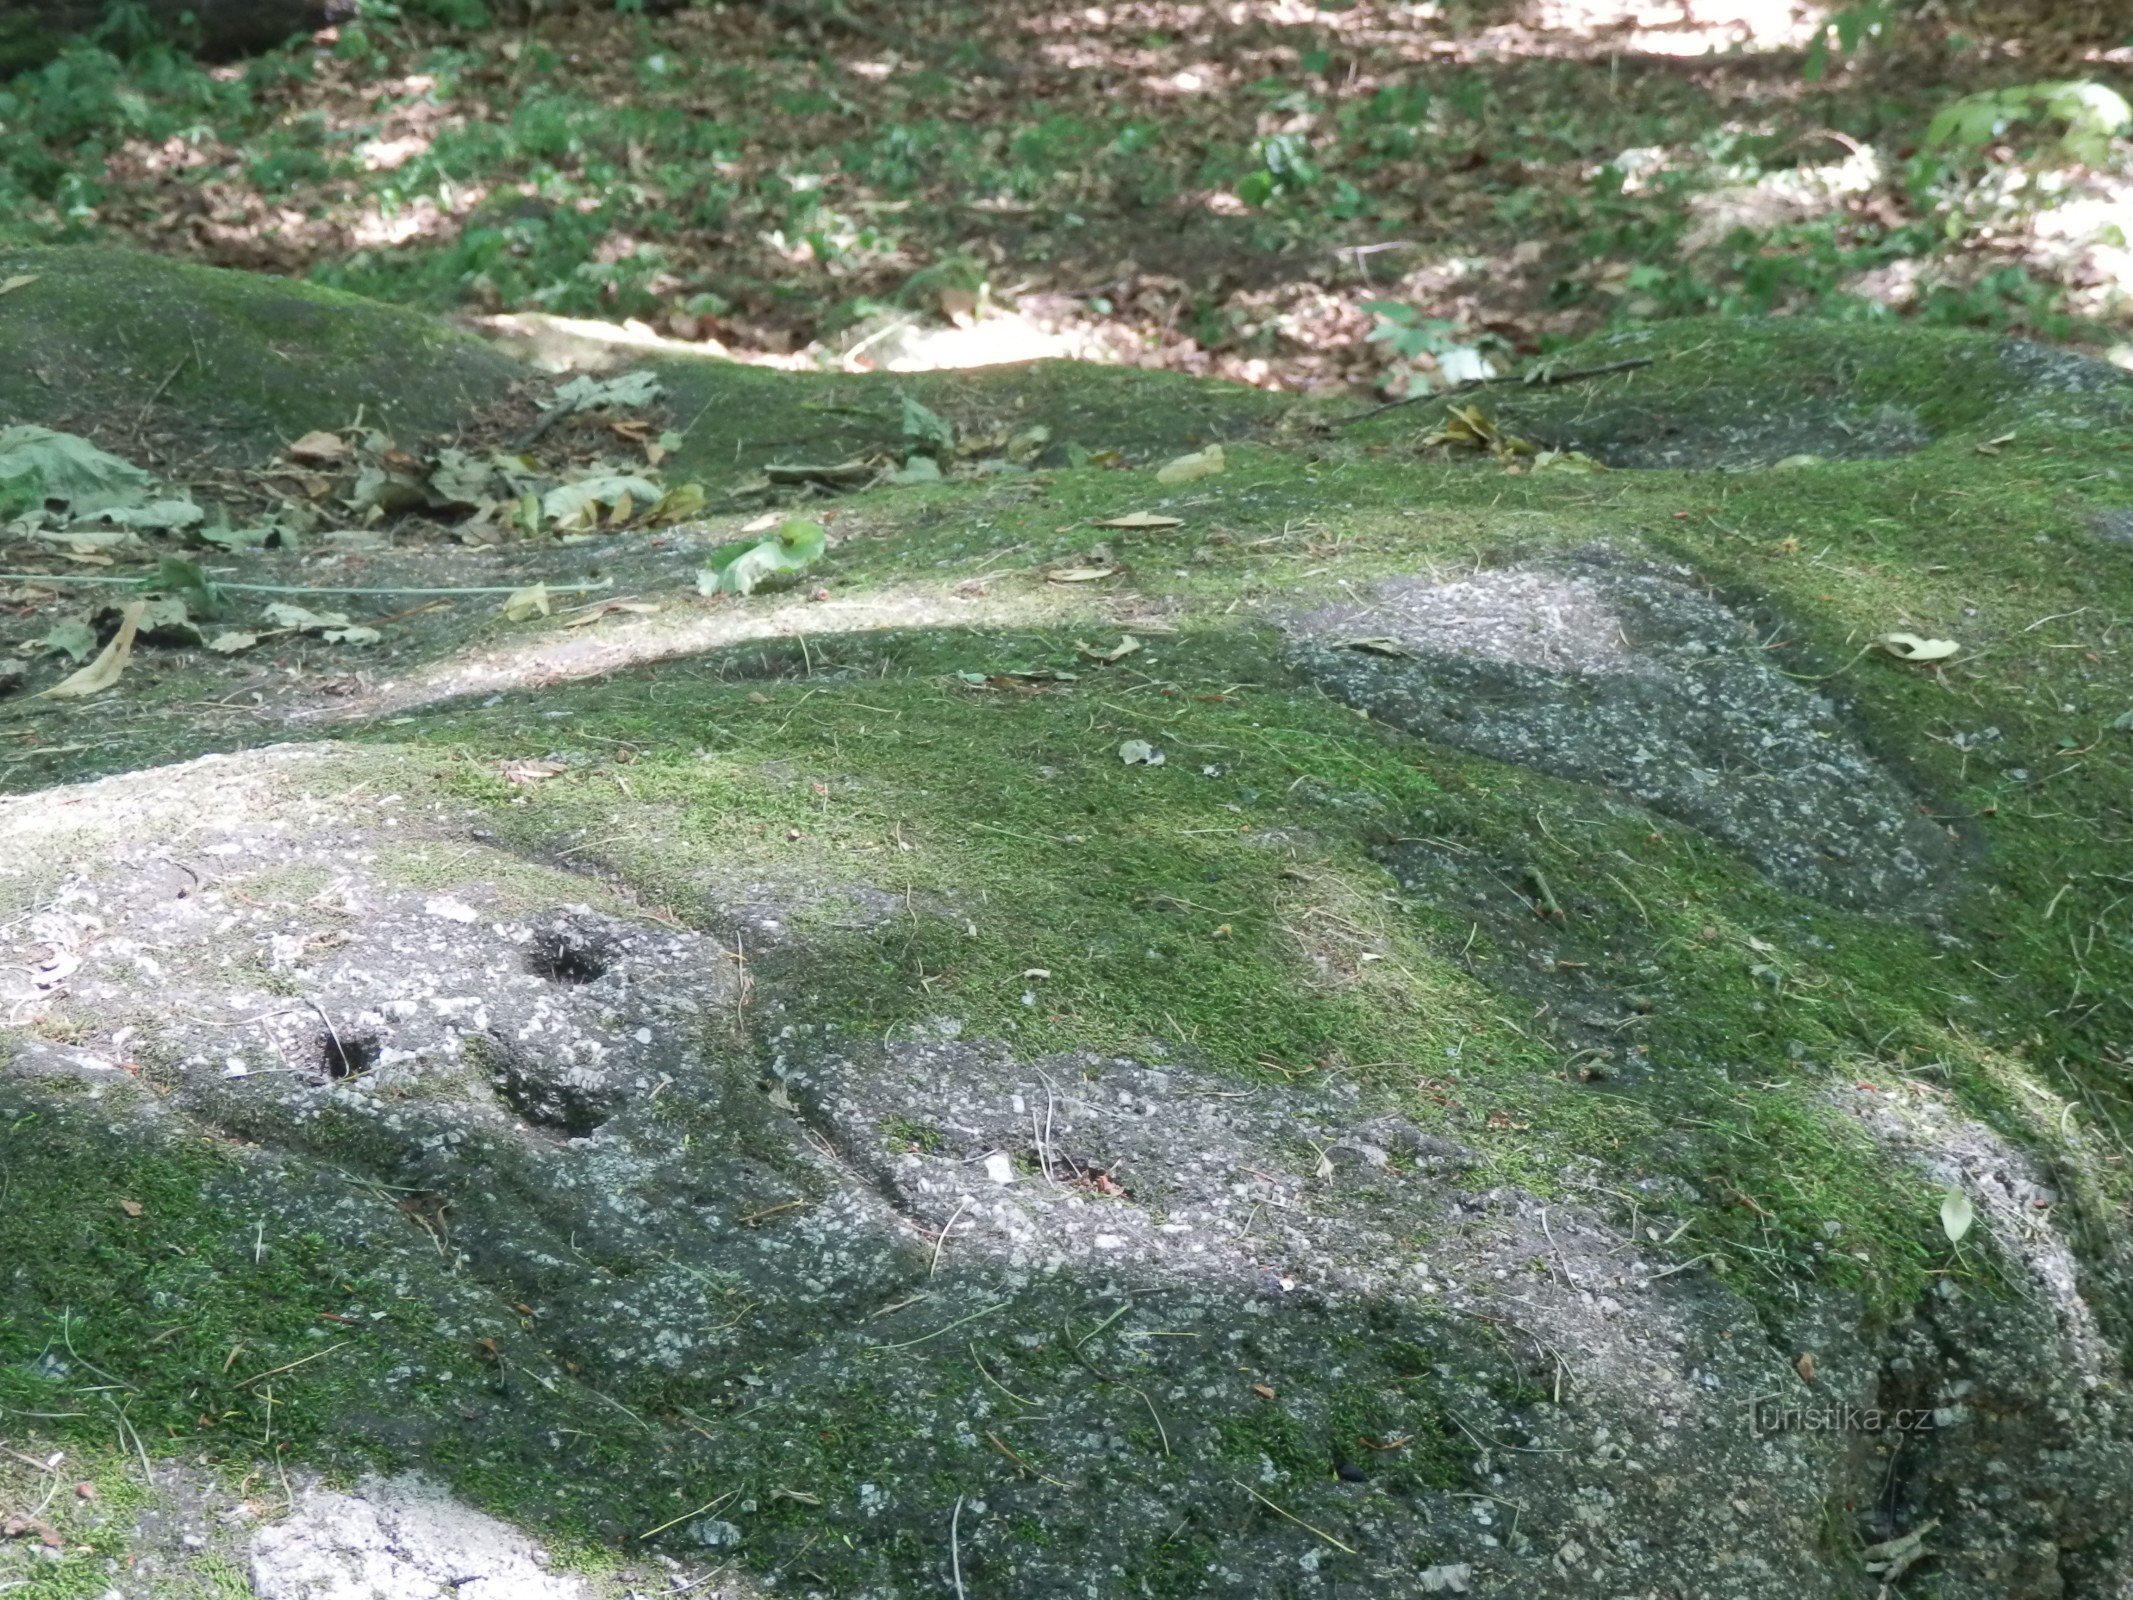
[
  {"x": 1137, "y": 1254},
  {"x": 399, "y": 1539},
  {"x": 1616, "y": 673},
  {"x": 760, "y": 1093}
]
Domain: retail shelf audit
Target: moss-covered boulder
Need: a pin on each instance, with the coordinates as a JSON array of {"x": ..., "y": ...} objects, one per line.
[
  {"x": 1393, "y": 1020},
  {"x": 114, "y": 344}
]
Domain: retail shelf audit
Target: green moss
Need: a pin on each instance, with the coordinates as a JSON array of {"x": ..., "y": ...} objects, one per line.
[
  {"x": 139, "y": 1291},
  {"x": 961, "y": 842},
  {"x": 734, "y": 419},
  {"x": 908, "y": 1133},
  {"x": 234, "y": 360}
]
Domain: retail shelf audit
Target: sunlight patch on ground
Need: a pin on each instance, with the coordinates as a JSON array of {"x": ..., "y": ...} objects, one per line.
[
  {"x": 583, "y": 344},
  {"x": 1682, "y": 27},
  {"x": 1791, "y": 196},
  {"x": 537, "y": 660},
  {"x": 2088, "y": 239}
]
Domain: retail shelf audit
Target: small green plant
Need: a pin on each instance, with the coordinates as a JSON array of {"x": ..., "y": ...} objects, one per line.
[
  {"x": 1411, "y": 336},
  {"x": 20, "y": 494},
  {"x": 744, "y": 567},
  {"x": 1284, "y": 169},
  {"x": 2089, "y": 115},
  {"x": 1984, "y": 156},
  {"x": 911, "y": 1134},
  {"x": 1842, "y": 32}
]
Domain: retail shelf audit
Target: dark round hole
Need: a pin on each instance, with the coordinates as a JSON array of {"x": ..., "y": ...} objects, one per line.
[
  {"x": 347, "y": 1055},
  {"x": 562, "y": 956}
]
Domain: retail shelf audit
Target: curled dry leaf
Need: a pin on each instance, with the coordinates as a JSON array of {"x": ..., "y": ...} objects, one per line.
[
  {"x": 532, "y": 771},
  {"x": 1125, "y": 647},
  {"x": 1470, "y": 428},
  {"x": 523, "y": 605},
  {"x": 1140, "y": 519},
  {"x": 331, "y": 626},
  {"x": 1910, "y": 647},
  {"x": 592, "y": 614},
  {"x": 1140, "y": 753},
  {"x": 104, "y": 671},
  {"x": 320, "y": 449},
  {"x": 1376, "y": 646},
  {"x": 1200, "y": 464}
]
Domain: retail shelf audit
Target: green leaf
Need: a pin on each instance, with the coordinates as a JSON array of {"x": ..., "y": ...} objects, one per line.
[
  {"x": 929, "y": 432},
  {"x": 73, "y": 470},
  {"x": 593, "y": 394},
  {"x": 72, "y": 638},
  {"x": 1956, "y": 1215},
  {"x": 742, "y": 568},
  {"x": 182, "y": 580},
  {"x": 572, "y": 505}
]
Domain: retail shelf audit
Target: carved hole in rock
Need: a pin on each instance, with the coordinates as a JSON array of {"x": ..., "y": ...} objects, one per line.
[
  {"x": 561, "y": 1108},
  {"x": 346, "y": 1054},
  {"x": 564, "y": 955},
  {"x": 1072, "y": 1172}
]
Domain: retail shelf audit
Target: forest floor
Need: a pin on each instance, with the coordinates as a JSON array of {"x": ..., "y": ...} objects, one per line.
[{"x": 1299, "y": 197}]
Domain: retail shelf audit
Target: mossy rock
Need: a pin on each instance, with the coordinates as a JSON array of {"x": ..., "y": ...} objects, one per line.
[
  {"x": 794, "y": 1081},
  {"x": 114, "y": 343},
  {"x": 1788, "y": 391},
  {"x": 738, "y": 419}
]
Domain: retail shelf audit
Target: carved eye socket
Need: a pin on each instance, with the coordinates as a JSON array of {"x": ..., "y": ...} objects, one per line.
[{"x": 563, "y": 956}]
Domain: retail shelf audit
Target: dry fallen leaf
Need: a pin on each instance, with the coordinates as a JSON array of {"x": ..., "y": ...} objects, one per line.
[
  {"x": 1081, "y": 574},
  {"x": 1805, "y": 1367},
  {"x": 132, "y": 1208},
  {"x": 1375, "y": 646},
  {"x": 320, "y": 449},
  {"x": 592, "y": 614},
  {"x": 1910, "y": 647},
  {"x": 523, "y": 605},
  {"x": 1125, "y": 647},
  {"x": 1469, "y": 427},
  {"x": 1200, "y": 464},
  {"x": 1140, "y": 519},
  {"x": 21, "y": 280},
  {"x": 532, "y": 771},
  {"x": 1263, "y": 1391},
  {"x": 229, "y": 644},
  {"x": 104, "y": 671}
]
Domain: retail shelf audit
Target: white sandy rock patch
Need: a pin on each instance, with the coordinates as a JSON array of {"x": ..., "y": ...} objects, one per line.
[{"x": 400, "y": 1538}]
